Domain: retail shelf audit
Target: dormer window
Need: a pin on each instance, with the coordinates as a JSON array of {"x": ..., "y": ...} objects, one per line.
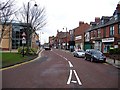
[
  {"x": 102, "y": 22},
  {"x": 116, "y": 17}
]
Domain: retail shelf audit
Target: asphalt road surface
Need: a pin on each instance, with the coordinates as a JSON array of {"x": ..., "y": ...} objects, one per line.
[{"x": 59, "y": 69}]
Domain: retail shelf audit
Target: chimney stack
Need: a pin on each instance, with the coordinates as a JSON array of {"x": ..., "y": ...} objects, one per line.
[
  {"x": 80, "y": 23},
  {"x": 97, "y": 19}
]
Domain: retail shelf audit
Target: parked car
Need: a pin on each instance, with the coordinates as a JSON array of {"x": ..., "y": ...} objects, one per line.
[
  {"x": 79, "y": 53},
  {"x": 94, "y": 55},
  {"x": 47, "y": 48}
]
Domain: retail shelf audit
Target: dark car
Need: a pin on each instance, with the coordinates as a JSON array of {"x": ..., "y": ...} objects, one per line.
[{"x": 94, "y": 55}]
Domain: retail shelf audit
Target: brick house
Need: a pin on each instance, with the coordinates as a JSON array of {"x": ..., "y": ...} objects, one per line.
[
  {"x": 51, "y": 41},
  {"x": 105, "y": 34},
  {"x": 62, "y": 39},
  {"x": 79, "y": 34}
]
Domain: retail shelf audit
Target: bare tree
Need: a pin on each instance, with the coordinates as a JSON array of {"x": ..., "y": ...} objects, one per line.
[
  {"x": 34, "y": 16},
  {"x": 6, "y": 12}
]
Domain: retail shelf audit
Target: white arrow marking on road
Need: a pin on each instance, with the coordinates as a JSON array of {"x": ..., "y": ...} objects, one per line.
[
  {"x": 70, "y": 64},
  {"x": 70, "y": 77},
  {"x": 77, "y": 77}
]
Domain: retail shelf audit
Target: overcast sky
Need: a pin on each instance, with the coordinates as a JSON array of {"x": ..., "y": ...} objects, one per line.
[{"x": 68, "y": 13}]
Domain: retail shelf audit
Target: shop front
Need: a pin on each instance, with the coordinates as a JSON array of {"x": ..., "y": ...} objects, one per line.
[
  {"x": 107, "y": 44},
  {"x": 98, "y": 45}
]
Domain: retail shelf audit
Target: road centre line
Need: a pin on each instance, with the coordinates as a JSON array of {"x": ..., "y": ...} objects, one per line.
[
  {"x": 17, "y": 65},
  {"x": 70, "y": 64},
  {"x": 71, "y": 71},
  {"x": 65, "y": 58}
]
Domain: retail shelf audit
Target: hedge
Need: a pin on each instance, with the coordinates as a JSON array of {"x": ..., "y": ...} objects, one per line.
[{"x": 114, "y": 51}]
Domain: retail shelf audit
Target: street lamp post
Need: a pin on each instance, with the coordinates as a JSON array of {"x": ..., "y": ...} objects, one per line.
[
  {"x": 66, "y": 38},
  {"x": 23, "y": 42},
  {"x": 28, "y": 34}
]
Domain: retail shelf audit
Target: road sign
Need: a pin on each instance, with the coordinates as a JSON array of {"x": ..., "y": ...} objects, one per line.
[
  {"x": 23, "y": 40},
  {"x": 23, "y": 34}
]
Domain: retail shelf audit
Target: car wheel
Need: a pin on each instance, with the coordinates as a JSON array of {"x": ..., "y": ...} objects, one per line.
[
  {"x": 91, "y": 59},
  {"x": 74, "y": 55},
  {"x": 77, "y": 55},
  {"x": 85, "y": 58}
]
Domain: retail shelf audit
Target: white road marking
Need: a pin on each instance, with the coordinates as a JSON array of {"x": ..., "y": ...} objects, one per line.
[
  {"x": 73, "y": 81},
  {"x": 70, "y": 76},
  {"x": 70, "y": 64},
  {"x": 77, "y": 78},
  {"x": 61, "y": 56},
  {"x": 65, "y": 58},
  {"x": 71, "y": 71}
]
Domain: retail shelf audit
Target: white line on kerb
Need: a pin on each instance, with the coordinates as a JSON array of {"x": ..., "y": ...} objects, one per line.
[{"x": 70, "y": 64}]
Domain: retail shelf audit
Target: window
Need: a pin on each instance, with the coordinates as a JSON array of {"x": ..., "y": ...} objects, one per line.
[
  {"x": 111, "y": 30},
  {"x": 104, "y": 32},
  {"x": 102, "y": 22},
  {"x": 119, "y": 28},
  {"x": 99, "y": 33},
  {"x": 116, "y": 17}
]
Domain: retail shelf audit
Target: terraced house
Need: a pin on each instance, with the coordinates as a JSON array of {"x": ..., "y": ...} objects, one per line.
[{"x": 105, "y": 34}]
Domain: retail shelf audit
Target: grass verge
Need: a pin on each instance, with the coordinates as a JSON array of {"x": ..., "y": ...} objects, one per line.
[{"x": 9, "y": 59}]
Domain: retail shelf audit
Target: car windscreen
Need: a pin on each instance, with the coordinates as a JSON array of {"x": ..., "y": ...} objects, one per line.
[{"x": 96, "y": 52}]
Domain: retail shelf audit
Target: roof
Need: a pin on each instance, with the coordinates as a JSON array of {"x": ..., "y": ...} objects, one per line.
[
  {"x": 111, "y": 21},
  {"x": 62, "y": 34}
]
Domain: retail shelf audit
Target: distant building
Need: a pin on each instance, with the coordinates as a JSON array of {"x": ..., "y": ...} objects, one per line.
[
  {"x": 51, "y": 41},
  {"x": 62, "y": 40}
]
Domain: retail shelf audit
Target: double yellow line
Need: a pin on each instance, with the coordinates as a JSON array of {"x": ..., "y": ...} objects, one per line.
[{"x": 17, "y": 65}]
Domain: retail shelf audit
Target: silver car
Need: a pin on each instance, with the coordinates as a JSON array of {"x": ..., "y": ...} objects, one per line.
[{"x": 79, "y": 53}]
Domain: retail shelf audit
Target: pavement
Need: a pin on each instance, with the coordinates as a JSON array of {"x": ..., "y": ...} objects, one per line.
[{"x": 113, "y": 62}]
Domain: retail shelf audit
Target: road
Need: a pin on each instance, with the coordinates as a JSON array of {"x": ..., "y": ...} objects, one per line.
[{"x": 59, "y": 69}]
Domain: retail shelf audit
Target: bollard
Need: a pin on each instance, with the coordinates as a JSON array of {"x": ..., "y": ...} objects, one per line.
[{"x": 114, "y": 59}]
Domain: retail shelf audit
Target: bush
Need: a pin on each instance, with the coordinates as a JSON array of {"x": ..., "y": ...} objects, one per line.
[
  {"x": 32, "y": 50},
  {"x": 114, "y": 51},
  {"x": 20, "y": 50}
]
